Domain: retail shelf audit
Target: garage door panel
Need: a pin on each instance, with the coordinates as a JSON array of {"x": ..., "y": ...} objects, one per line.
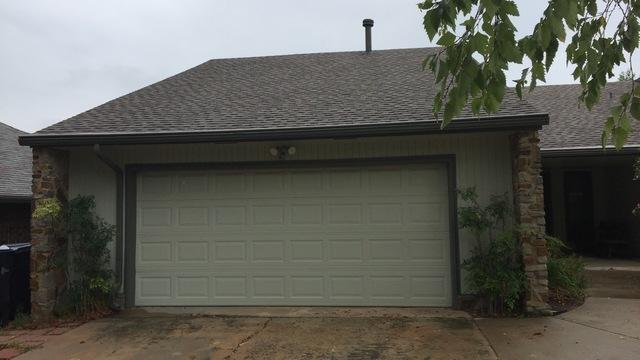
[
  {"x": 308, "y": 287},
  {"x": 192, "y": 287},
  {"x": 307, "y": 183},
  {"x": 374, "y": 235},
  {"x": 271, "y": 249},
  {"x": 192, "y": 252},
  {"x": 313, "y": 287},
  {"x": 230, "y": 183},
  {"x": 193, "y": 184}
]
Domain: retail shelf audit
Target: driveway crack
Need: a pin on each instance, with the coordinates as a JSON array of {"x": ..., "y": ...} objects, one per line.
[
  {"x": 598, "y": 328},
  {"x": 248, "y": 338}
]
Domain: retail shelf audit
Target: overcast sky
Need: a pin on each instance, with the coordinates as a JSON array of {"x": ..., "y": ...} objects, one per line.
[{"x": 60, "y": 58}]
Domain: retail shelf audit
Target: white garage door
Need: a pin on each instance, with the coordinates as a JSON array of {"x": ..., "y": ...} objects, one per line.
[{"x": 373, "y": 235}]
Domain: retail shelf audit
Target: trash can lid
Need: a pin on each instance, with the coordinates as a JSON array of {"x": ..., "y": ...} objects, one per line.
[{"x": 14, "y": 247}]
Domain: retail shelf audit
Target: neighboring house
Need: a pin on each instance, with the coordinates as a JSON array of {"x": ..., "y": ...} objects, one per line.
[
  {"x": 15, "y": 187},
  {"x": 589, "y": 192},
  {"x": 315, "y": 179}
]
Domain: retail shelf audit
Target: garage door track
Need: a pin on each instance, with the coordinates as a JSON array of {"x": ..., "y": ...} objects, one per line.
[{"x": 280, "y": 333}]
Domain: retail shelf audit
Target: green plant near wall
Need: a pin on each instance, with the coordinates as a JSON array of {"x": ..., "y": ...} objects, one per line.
[
  {"x": 494, "y": 269},
  {"x": 567, "y": 280},
  {"x": 85, "y": 258}
]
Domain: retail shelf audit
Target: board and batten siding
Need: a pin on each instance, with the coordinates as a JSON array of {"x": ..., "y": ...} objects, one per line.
[{"x": 482, "y": 160}]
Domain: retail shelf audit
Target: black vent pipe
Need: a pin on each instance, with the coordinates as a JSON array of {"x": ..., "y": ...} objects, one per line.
[{"x": 368, "y": 24}]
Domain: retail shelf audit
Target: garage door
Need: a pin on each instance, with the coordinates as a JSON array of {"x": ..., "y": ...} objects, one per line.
[{"x": 370, "y": 235}]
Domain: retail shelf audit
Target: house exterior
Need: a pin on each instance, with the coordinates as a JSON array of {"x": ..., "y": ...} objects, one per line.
[
  {"x": 316, "y": 179},
  {"x": 15, "y": 187},
  {"x": 589, "y": 191}
]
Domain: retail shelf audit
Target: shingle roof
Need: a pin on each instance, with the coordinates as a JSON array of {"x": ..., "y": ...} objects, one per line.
[
  {"x": 278, "y": 92},
  {"x": 572, "y": 125},
  {"x": 15, "y": 164}
]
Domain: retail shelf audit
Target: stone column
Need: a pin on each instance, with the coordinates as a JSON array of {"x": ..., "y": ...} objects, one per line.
[
  {"x": 529, "y": 212},
  {"x": 50, "y": 180}
]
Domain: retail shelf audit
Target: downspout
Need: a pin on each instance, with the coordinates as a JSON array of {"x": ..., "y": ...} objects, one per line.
[{"x": 119, "y": 177}]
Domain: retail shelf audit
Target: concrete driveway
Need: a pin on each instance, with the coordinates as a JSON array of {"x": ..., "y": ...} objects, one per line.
[
  {"x": 275, "y": 333},
  {"x": 601, "y": 329}
]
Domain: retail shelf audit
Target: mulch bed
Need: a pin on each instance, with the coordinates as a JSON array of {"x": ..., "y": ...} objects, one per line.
[{"x": 560, "y": 301}]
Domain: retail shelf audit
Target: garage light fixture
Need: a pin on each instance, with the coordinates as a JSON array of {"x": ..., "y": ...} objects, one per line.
[{"x": 282, "y": 152}]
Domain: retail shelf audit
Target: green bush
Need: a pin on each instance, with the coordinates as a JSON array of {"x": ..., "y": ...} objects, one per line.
[
  {"x": 496, "y": 274},
  {"x": 566, "y": 271},
  {"x": 494, "y": 269},
  {"x": 85, "y": 257}
]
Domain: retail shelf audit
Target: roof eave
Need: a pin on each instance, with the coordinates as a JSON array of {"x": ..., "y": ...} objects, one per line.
[
  {"x": 589, "y": 151},
  {"x": 4, "y": 198},
  {"x": 496, "y": 123}
]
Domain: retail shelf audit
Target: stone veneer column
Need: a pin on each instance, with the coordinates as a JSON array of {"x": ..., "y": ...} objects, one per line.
[
  {"x": 529, "y": 212},
  {"x": 50, "y": 180}
]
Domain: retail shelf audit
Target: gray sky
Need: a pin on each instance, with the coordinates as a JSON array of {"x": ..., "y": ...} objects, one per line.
[{"x": 60, "y": 58}]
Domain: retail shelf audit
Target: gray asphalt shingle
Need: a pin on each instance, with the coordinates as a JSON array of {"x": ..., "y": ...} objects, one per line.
[
  {"x": 278, "y": 92},
  {"x": 571, "y": 124},
  {"x": 15, "y": 164}
]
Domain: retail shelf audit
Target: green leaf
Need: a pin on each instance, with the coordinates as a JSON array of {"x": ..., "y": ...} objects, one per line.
[
  {"x": 631, "y": 36},
  {"x": 619, "y": 136},
  {"x": 447, "y": 39},
  {"x": 558, "y": 27},
  {"x": 550, "y": 55},
  {"x": 572, "y": 13},
  {"x": 634, "y": 109},
  {"x": 537, "y": 71},
  {"x": 476, "y": 104},
  {"x": 431, "y": 22},
  {"x": 519, "y": 89},
  {"x": 592, "y": 7},
  {"x": 510, "y": 8}
]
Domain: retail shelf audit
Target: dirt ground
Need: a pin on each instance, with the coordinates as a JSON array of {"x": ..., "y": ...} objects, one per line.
[{"x": 363, "y": 334}]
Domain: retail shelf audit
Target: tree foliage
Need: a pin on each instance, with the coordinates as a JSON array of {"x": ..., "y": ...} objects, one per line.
[
  {"x": 479, "y": 41},
  {"x": 626, "y": 75}
]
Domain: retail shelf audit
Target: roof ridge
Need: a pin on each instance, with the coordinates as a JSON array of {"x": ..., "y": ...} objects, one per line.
[
  {"x": 14, "y": 128},
  {"x": 322, "y": 53}
]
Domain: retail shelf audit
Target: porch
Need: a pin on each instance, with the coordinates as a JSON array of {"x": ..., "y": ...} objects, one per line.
[{"x": 589, "y": 198}]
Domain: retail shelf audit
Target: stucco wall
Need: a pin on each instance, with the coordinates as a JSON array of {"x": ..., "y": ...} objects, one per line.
[{"x": 482, "y": 159}]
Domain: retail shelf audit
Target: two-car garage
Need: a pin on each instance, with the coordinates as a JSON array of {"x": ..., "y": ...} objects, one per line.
[{"x": 304, "y": 234}]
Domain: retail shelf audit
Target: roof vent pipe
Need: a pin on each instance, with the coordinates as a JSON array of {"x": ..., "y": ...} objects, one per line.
[{"x": 368, "y": 24}]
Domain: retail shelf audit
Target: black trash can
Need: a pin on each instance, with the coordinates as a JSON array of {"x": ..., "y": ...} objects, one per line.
[{"x": 15, "y": 293}]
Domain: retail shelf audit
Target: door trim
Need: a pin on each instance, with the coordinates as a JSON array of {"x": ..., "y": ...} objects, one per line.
[{"x": 132, "y": 171}]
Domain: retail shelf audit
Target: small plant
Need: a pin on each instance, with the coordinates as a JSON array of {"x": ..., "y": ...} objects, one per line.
[
  {"x": 567, "y": 281},
  {"x": 85, "y": 258},
  {"x": 21, "y": 320},
  {"x": 494, "y": 269}
]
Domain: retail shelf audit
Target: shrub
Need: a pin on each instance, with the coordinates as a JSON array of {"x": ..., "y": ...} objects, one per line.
[
  {"x": 566, "y": 271},
  {"x": 496, "y": 274},
  {"x": 85, "y": 258},
  {"x": 494, "y": 269}
]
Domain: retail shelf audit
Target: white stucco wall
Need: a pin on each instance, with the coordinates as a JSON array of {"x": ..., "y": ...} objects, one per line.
[{"x": 482, "y": 160}]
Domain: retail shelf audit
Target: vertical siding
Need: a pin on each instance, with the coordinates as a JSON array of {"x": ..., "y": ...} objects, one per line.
[
  {"x": 483, "y": 160},
  {"x": 89, "y": 176}
]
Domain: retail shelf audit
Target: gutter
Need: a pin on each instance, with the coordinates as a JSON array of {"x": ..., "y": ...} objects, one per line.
[
  {"x": 589, "y": 151},
  {"x": 15, "y": 198},
  {"x": 495, "y": 123},
  {"x": 119, "y": 177}
]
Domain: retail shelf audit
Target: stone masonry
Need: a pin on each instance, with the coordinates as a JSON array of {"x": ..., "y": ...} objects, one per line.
[
  {"x": 50, "y": 180},
  {"x": 529, "y": 212}
]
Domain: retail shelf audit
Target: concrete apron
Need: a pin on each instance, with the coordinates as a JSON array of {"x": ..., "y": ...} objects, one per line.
[
  {"x": 298, "y": 311},
  {"x": 274, "y": 333}
]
